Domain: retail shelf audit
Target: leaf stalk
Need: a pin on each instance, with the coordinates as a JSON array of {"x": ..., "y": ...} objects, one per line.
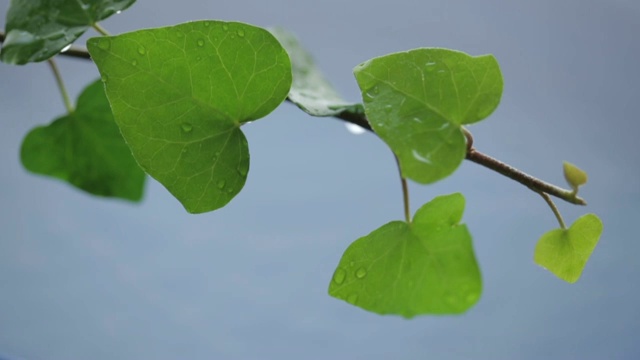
[{"x": 63, "y": 90}]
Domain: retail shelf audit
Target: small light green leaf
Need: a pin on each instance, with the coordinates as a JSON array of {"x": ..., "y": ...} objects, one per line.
[
  {"x": 179, "y": 95},
  {"x": 575, "y": 176},
  {"x": 416, "y": 101},
  {"x": 426, "y": 267},
  {"x": 310, "y": 91},
  {"x": 565, "y": 252},
  {"x": 86, "y": 149},
  {"x": 39, "y": 29}
]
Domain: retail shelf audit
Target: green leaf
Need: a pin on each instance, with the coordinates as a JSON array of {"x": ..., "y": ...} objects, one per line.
[
  {"x": 310, "y": 91},
  {"x": 416, "y": 101},
  {"x": 575, "y": 176},
  {"x": 565, "y": 252},
  {"x": 39, "y": 29},
  {"x": 179, "y": 95},
  {"x": 86, "y": 149},
  {"x": 426, "y": 267}
]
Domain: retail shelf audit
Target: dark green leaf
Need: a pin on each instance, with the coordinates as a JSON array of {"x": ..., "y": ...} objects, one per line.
[
  {"x": 310, "y": 91},
  {"x": 86, "y": 149},
  {"x": 426, "y": 267},
  {"x": 39, "y": 29},
  {"x": 180, "y": 94},
  {"x": 416, "y": 101},
  {"x": 565, "y": 252}
]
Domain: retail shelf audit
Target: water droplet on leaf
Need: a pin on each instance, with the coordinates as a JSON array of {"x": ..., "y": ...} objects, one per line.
[
  {"x": 339, "y": 275},
  {"x": 104, "y": 44},
  {"x": 134, "y": 62},
  {"x": 361, "y": 273},
  {"x": 243, "y": 168},
  {"x": 142, "y": 50},
  {"x": 355, "y": 129},
  {"x": 430, "y": 66},
  {"x": 200, "y": 42},
  {"x": 221, "y": 183},
  {"x": 225, "y": 27},
  {"x": 241, "y": 33},
  {"x": 186, "y": 127},
  {"x": 352, "y": 299}
]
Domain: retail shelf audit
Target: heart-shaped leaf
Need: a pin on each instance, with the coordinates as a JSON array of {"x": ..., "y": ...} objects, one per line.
[
  {"x": 416, "y": 101},
  {"x": 39, "y": 29},
  {"x": 426, "y": 267},
  {"x": 86, "y": 149},
  {"x": 565, "y": 252},
  {"x": 179, "y": 95},
  {"x": 310, "y": 91}
]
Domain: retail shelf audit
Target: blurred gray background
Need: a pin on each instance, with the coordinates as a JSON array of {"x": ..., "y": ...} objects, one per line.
[{"x": 86, "y": 278}]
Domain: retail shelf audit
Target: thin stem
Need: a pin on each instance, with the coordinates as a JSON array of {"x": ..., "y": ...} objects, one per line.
[
  {"x": 100, "y": 29},
  {"x": 525, "y": 179},
  {"x": 554, "y": 208},
  {"x": 405, "y": 193},
  {"x": 63, "y": 90},
  {"x": 472, "y": 154}
]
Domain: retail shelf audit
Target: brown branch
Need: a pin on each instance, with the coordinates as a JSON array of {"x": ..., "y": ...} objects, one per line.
[{"x": 473, "y": 155}]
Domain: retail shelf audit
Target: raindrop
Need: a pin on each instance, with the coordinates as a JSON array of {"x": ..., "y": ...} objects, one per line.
[
  {"x": 241, "y": 33},
  {"x": 361, "y": 273},
  {"x": 142, "y": 50},
  {"x": 206, "y": 24},
  {"x": 243, "y": 168},
  {"x": 134, "y": 62},
  {"x": 104, "y": 44},
  {"x": 179, "y": 34},
  {"x": 371, "y": 93},
  {"x": 221, "y": 184},
  {"x": 423, "y": 159},
  {"x": 355, "y": 129},
  {"x": 430, "y": 66},
  {"x": 56, "y": 36},
  {"x": 104, "y": 78},
  {"x": 225, "y": 27},
  {"x": 186, "y": 127},
  {"x": 352, "y": 299},
  {"x": 118, "y": 12},
  {"x": 200, "y": 42},
  {"x": 65, "y": 48},
  {"x": 339, "y": 275}
]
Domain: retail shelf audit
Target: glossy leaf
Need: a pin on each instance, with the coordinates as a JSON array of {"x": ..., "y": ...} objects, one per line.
[
  {"x": 416, "y": 101},
  {"x": 310, "y": 90},
  {"x": 426, "y": 267},
  {"x": 179, "y": 95},
  {"x": 565, "y": 252},
  {"x": 86, "y": 149},
  {"x": 39, "y": 29}
]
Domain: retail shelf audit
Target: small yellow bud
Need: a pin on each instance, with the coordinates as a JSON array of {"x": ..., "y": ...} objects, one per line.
[{"x": 574, "y": 175}]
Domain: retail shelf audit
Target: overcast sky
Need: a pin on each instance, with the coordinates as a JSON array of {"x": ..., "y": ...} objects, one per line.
[{"x": 87, "y": 278}]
